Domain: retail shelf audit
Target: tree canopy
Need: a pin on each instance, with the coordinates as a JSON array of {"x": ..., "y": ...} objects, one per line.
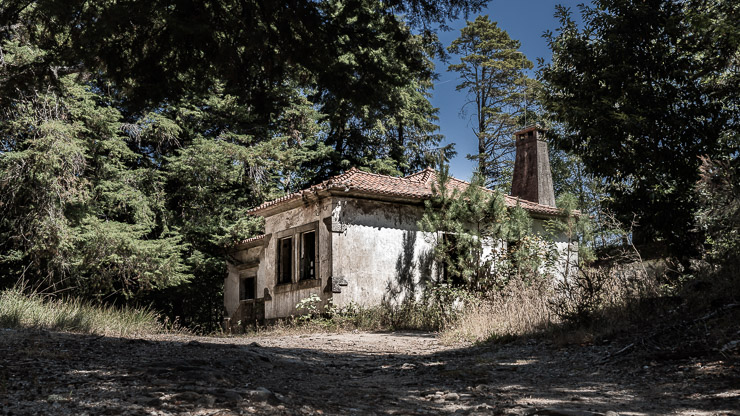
[
  {"x": 136, "y": 135},
  {"x": 152, "y": 51},
  {"x": 642, "y": 90}
]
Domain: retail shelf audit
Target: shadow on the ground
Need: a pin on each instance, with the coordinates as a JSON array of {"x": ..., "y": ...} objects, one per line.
[{"x": 62, "y": 373}]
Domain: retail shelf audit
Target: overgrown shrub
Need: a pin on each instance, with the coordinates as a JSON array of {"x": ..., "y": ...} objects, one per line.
[
  {"x": 602, "y": 300},
  {"x": 479, "y": 242},
  {"x": 604, "y": 295}
]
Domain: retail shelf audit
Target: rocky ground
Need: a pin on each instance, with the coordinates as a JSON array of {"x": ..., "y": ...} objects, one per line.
[{"x": 53, "y": 373}]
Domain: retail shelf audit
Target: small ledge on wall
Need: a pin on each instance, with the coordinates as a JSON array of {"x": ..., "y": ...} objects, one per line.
[
  {"x": 303, "y": 284},
  {"x": 336, "y": 283}
]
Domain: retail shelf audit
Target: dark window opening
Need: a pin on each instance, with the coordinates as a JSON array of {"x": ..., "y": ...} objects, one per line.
[
  {"x": 285, "y": 260},
  {"x": 308, "y": 255},
  {"x": 246, "y": 288}
]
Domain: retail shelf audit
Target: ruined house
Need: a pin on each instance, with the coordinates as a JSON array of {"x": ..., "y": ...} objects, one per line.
[{"x": 354, "y": 238}]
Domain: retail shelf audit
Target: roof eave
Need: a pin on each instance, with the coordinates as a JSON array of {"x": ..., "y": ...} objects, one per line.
[
  {"x": 295, "y": 201},
  {"x": 276, "y": 208}
]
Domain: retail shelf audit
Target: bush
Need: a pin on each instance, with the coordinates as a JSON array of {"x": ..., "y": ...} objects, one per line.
[
  {"x": 599, "y": 300},
  {"x": 606, "y": 294},
  {"x": 441, "y": 306}
]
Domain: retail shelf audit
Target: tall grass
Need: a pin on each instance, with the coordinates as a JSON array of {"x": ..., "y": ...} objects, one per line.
[
  {"x": 518, "y": 309},
  {"x": 32, "y": 310},
  {"x": 598, "y": 303}
]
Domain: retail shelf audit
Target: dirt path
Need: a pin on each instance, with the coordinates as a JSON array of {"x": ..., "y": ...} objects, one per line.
[{"x": 45, "y": 372}]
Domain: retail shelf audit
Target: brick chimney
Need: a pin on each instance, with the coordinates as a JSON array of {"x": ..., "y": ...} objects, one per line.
[{"x": 532, "y": 177}]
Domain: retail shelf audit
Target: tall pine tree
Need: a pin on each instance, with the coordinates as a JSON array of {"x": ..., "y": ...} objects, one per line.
[{"x": 492, "y": 72}]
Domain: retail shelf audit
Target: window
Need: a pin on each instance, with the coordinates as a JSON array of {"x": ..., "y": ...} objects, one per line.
[
  {"x": 308, "y": 255},
  {"x": 285, "y": 260},
  {"x": 246, "y": 288},
  {"x": 296, "y": 258}
]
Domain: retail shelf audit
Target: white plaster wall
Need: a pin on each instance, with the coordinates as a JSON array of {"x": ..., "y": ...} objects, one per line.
[
  {"x": 381, "y": 254},
  {"x": 561, "y": 242}
]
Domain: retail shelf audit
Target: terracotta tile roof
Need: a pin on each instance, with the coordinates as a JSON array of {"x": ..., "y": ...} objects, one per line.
[{"x": 415, "y": 186}]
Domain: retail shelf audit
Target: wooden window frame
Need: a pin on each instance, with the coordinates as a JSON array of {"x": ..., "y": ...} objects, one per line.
[{"x": 296, "y": 233}]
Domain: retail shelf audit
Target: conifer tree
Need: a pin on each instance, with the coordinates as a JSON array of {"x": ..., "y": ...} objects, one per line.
[
  {"x": 642, "y": 89},
  {"x": 478, "y": 241},
  {"x": 492, "y": 72},
  {"x": 78, "y": 213}
]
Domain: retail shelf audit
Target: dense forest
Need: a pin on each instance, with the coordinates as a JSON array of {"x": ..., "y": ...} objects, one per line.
[{"x": 135, "y": 135}]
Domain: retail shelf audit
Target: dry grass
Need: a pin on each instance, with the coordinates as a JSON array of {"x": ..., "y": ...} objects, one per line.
[
  {"x": 22, "y": 310},
  {"x": 519, "y": 309},
  {"x": 594, "y": 304},
  {"x": 379, "y": 318}
]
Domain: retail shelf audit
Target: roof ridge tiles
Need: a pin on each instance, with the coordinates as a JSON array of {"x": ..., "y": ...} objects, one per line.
[
  {"x": 424, "y": 175},
  {"x": 351, "y": 171},
  {"x": 377, "y": 174}
]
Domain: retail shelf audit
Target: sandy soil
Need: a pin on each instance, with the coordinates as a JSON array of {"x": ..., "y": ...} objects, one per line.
[{"x": 407, "y": 373}]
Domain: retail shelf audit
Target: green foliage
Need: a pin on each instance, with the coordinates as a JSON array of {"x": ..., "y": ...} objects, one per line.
[
  {"x": 641, "y": 91},
  {"x": 479, "y": 242},
  {"x": 441, "y": 306},
  {"x": 117, "y": 257},
  {"x": 162, "y": 50},
  {"x": 528, "y": 259},
  {"x": 310, "y": 307},
  {"x": 569, "y": 176},
  {"x": 576, "y": 228},
  {"x": 397, "y": 140},
  {"x": 77, "y": 211},
  {"x": 356, "y": 61},
  {"x": 492, "y": 73}
]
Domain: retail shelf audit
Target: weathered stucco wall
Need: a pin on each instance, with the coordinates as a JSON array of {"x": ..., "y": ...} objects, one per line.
[
  {"x": 249, "y": 256},
  {"x": 381, "y": 254},
  {"x": 292, "y": 222}
]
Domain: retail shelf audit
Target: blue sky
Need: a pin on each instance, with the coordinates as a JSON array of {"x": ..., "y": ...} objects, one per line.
[{"x": 524, "y": 20}]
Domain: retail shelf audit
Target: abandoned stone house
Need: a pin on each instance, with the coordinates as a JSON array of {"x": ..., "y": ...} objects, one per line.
[{"x": 355, "y": 238}]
